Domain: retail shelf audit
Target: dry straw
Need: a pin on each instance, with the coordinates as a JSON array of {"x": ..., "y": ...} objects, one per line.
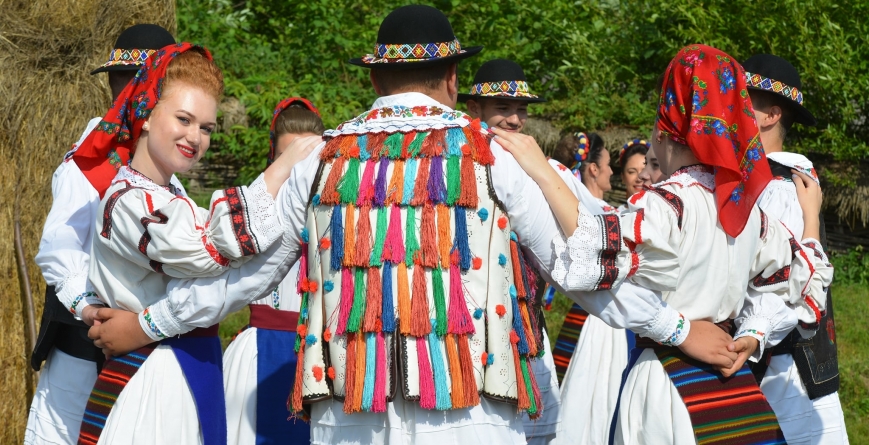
[{"x": 47, "y": 49}]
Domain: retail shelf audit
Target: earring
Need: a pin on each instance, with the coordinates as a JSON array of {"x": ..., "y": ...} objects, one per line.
[{"x": 145, "y": 126}]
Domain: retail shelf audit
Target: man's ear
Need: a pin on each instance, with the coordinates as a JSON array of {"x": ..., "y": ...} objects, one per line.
[
  {"x": 474, "y": 108},
  {"x": 452, "y": 79},
  {"x": 374, "y": 84},
  {"x": 773, "y": 116}
]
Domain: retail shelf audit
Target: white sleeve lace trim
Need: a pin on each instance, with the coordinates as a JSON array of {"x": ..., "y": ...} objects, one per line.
[{"x": 669, "y": 327}]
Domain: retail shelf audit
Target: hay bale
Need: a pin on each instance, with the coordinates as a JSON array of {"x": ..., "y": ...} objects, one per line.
[{"x": 47, "y": 49}]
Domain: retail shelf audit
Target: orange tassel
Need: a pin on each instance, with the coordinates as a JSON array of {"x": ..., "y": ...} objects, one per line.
[
  {"x": 349, "y": 147},
  {"x": 363, "y": 237},
  {"x": 521, "y": 391},
  {"x": 350, "y": 373},
  {"x": 468, "y": 184},
  {"x": 518, "y": 279},
  {"x": 420, "y": 325},
  {"x": 457, "y": 393},
  {"x": 428, "y": 252},
  {"x": 375, "y": 145},
  {"x": 444, "y": 237},
  {"x": 372, "y": 322},
  {"x": 330, "y": 195},
  {"x": 396, "y": 184},
  {"x": 469, "y": 382},
  {"x": 349, "y": 237},
  {"x": 420, "y": 189},
  {"x": 404, "y": 310},
  {"x": 331, "y": 148},
  {"x": 359, "y": 381},
  {"x": 482, "y": 151},
  {"x": 296, "y": 397},
  {"x": 533, "y": 348},
  {"x": 433, "y": 144}
]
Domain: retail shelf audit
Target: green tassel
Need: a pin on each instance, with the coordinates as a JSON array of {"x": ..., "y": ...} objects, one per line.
[
  {"x": 392, "y": 145},
  {"x": 527, "y": 379},
  {"x": 348, "y": 188},
  {"x": 379, "y": 239},
  {"x": 416, "y": 145},
  {"x": 355, "y": 322},
  {"x": 439, "y": 301},
  {"x": 412, "y": 243},
  {"x": 454, "y": 176}
]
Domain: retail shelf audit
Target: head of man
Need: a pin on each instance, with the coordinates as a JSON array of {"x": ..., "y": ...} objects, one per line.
[
  {"x": 506, "y": 114},
  {"x": 500, "y": 95},
  {"x": 129, "y": 53},
  {"x": 438, "y": 81}
]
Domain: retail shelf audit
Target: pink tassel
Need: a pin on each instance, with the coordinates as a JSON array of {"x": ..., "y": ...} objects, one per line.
[
  {"x": 459, "y": 318},
  {"x": 379, "y": 403},
  {"x": 366, "y": 190},
  {"x": 393, "y": 251},
  {"x": 427, "y": 399},
  {"x": 303, "y": 270},
  {"x": 346, "y": 300}
]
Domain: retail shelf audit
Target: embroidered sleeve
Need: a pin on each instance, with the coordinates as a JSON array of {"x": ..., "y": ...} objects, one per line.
[
  {"x": 799, "y": 273},
  {"x": 669, "y": 327},
  {"x": 766, "y": 318},
  {"x": 607, "y": 249}
]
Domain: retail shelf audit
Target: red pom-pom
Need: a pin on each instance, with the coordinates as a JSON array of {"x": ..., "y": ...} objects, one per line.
[
  {"x": 331, "y": 373},
  {"x": 478, "y": 263},
  {"x": 514, "y": 338},
  {"x": 325, "y": 243},
  {"x": 312, "y": 286},
  {"x": 318, "y": 373},
  {"x": 327, "y": 335},
  {"x": 502, "y": 223},
  {"x": 302, "y": 331},
  {"x": 483, "y": 357},
  {"x": 500, "y": 310}
]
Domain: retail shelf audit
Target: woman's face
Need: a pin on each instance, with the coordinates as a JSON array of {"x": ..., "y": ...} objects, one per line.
[
  {"x": 286, "y": 139},
  {"x": 631, "y": 174},
  {"x": 597, "y": 176},
  {"x": 179, "y": 128},
  {"x": 651, "y": 173}
]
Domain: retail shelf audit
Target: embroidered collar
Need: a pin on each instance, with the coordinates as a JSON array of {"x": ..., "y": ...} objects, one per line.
[
  {"x": 136, "y": 179},
  {"x": 697, "y": 174},
  {"x": 403, "y": 113},
  {"x": 795, "y": 161}
]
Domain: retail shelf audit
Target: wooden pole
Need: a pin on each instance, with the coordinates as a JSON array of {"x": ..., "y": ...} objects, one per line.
[{"x": 27, "y": 300}]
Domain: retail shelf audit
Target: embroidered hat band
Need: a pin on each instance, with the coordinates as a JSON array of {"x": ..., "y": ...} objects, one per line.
[
  {"x": 123, "y": 57},
  {"x": 515, "y": 88},
  {"x": 775, "y": 86},
  {"x": 409, "y": 52}
]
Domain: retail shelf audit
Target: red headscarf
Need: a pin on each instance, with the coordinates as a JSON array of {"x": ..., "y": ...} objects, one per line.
[
  {"x": 112, "y": 143},
  {"x": 704, "y": 104},
  {"x": 283, "y": 105}
]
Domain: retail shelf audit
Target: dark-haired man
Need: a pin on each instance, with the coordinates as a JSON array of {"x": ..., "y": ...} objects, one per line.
[
  {"x": 71, "y": 360},
  {"x": 800, "y": 376}
]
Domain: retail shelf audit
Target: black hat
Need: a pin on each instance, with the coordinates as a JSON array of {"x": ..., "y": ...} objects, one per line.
[
  {"x": 134, "y": 45},
  {"x": 413, "y": 36},
  {"x": 766, "y": 72},
  {"x": 502, "y": 79}
]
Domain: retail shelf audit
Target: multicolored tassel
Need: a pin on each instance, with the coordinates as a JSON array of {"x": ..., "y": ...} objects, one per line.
[
  {"x": 393, "y": 251},
  {"x": 349, "y": 237},
  {"x": 415, "y": 147},
  {"x": 396, "y": 184},
  {"x": 457, "y": 392},
  {"x": 436, "y": 189},
  {"x": 359, "y": 378},
  {"x": 350, "y": 374},
  {"x": 370, "y": 370},
  {"x": 379, "y": 403},
  {"x": 295, "y": 399},
  {"x": 358, "y": 309},
  {"x": 521, "y": 389},
  {"x": 409, "y": 180},
  {"x": 392, "y": 146},
  {"x": 420, "y": 195},
  {"x": 455, "y": 138},
  {"x": 366, "y": 188},
  {"x": 412, "y": 246},
  {"x": 433, "y": 144},
  {"x": 427, "y": 397},
  {"x": 348, "y": 187},
  {"x": 428, "y": 253},
  {"x": 332, "y": 148},
  {"x": 380, "y": 183},
  {"x": 469, "y": 381},
  {"x": 419, "y": 323},
  {"x": 373, "y": 302},
  {"x": 375, "y": 144},
  {"x": 461, "y": 239},
  {"x": 442, "y": 391},
  {"x": 468, "y": 184},
  {"x": 363, "y": 237},
  {"x": 454, "y": 177},
  {"x": 459, "y": 317},
  {"x": 518, "y": 329}
]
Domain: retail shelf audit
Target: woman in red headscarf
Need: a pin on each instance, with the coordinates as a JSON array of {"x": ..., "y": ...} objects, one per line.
[
  {"x": 699, "y": 239},
  {"x": 170, "y": 391},
  {"x": 260, "y": 363}
]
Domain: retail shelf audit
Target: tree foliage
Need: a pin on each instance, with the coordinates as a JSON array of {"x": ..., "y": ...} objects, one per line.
[{"x": 596, "y": 62}]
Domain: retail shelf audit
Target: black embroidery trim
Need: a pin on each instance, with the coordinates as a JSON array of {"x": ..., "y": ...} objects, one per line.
[
  {"x": 780, "y": 276},
  {"x": 764, "y": 225},
  {"x": 246, "y": 240},
  {"x": 110, "y": 207},
  {"x": 674, "y": 201},
  {"x": 612, "y": 244},
  {"x": 146, "y": 237}
]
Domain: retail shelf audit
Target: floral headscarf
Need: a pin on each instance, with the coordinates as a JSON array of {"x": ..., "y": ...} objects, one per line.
[
  {"x": 112, "y": 143},
  {"x": 283, "y": 105},
  {"x": 705, "y": 105}
]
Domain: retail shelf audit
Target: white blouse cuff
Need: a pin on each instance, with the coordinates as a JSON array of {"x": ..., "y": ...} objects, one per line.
[
  {"x": 158, "y": 322},
  {"x": 262, "y": 213},
  {"x": 669, "y": 327},
  {"x": 72, "y": 287},
  {"x": 757, "y": 327}
]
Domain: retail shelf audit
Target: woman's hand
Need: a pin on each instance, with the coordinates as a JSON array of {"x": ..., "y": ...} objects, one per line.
[
  {"x": 744, "y": 347},
  {"x": 279, "y": 171},
  {"x": 810, "y": 196},
  {"x": 118, "y": 332}
]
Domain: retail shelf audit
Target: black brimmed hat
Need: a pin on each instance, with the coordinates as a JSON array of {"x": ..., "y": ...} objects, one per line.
[
  {"x": 133, "y": 47},
  {"x": 766, "y": 72},
  {"x": 500, "y": 79},
  {"x": 414, "y": 36}
]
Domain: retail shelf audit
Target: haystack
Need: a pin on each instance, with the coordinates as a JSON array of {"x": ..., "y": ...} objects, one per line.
[{"x": 47, "y": 49}]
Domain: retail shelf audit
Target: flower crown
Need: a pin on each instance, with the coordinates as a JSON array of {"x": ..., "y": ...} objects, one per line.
[
  {"x": 635, "y": 141},
  {"x": 582, "y": 149}
]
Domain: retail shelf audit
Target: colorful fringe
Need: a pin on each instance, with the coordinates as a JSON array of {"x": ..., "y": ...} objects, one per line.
[
  {"x": 723, "y": 411},
  {"x": 115, "y": 375},
  {"x": 567, "y": 339}
]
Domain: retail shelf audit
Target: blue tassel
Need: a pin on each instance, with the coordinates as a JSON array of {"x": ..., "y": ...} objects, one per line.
[
  {"x": 328, "y": 286},
  {"x": 478, "y": 313},
  {"x": 461, "y": 239},
  {"x": 388, "y": 317},
  {"x": 337, "y": 238},
  {"x": 305, "y": 234},
  {"x": 316, "y": 199},
  {"x": 370, "y": 368},
  {"x": 442, "y": 391},
  {"x": 409, "y": 180},
  {"x": 513, "y": 236},
  {"x": 522, "y": 346},
  {"x": 483, "y": 214},
  {"x": 304, "y": 314},
  {"x": 550, "y": 295},
  {"x": 455, "y": 139},
  {"x": 362, "y": 141},
  {"x": 502, "y": 259}
]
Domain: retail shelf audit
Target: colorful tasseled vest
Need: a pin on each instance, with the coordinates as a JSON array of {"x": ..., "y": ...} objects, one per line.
[{"x": 411, "y": 278}]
